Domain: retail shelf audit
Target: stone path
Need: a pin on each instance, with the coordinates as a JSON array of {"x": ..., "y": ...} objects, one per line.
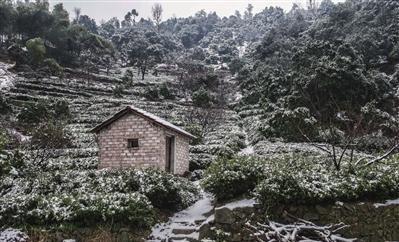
[{"x": 185, "y": 225}]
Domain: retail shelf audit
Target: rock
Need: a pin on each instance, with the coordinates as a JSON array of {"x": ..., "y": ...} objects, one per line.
[
  {"x": 224, "y": 215},
  {"x": 204, "y": 231}
]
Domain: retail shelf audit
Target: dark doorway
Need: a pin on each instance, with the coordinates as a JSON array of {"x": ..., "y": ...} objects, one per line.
[{"x": 170, "y": 154}]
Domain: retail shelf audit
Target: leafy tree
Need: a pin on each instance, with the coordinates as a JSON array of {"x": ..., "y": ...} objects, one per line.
[
  {"x": 61, "y": 16},
  {"x": 110, "y": 27},
  {"x": 144, "y": 55},
  {"x": 37, "y": 50},
  {"x": 33, "y": 19},
  {"x": 201, "y": 98},
  {"x": 88, "y": 23},
  {"x": 7, "y": 18}
]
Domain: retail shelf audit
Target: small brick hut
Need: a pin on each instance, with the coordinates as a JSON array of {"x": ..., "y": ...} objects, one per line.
[{"x": 135, "y": 138}]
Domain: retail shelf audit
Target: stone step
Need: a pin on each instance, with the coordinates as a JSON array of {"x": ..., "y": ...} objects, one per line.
[
  {"x": 193, "y": 237},
  {"x": 184, "y": 230}
]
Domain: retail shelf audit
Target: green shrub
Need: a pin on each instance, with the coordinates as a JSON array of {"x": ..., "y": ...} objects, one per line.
[
  {"x": 309, "y": 182},
  {"x": 53, "y": 67},
  {"x": 125, "y": 208},
  {"x": 128, "y": 77},
  {"x": 201, "y": 98},
  {"x": 5, "y": 107},
  {"x": 118, "y": 91},
  {"x": 34, "y": 113},
  {"x": 198, "y": 132},
  {"x": 300, "y": 180},
  {"x": 167, "y": 191},
  {"x": 290, "y": 124},
  {"x": 38, "y": 196},
  {"x": 230, "y": 178},
  {"x": 37, "y": 50},
  {"x": 43, "y": 111},
  {"x": 50, "y": 136},
  {"x": 151, "y": 94},
  {"x": 165, "y": 92},
  {"x": 61, "y": 110}
]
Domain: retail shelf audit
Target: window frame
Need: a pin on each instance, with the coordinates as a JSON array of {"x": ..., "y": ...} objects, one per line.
[{"x": 131, "y": 142}]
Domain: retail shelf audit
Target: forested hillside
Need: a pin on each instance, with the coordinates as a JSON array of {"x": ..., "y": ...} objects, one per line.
[
  {"x": 301, "y": 71},
  {"x": 315, "y": 88}
]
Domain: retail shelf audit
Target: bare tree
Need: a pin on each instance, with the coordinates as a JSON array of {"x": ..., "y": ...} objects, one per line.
[
  {"x": 77, "y": 12},
  {"x": 134, "y": 14},
  {"x": 248, "y": 12},
  {"x": 207, "y": 118},
  {"x": 339, "y": 145},
  {"x": 313, "y": 5},
  {"x": 157, "y": 14}
]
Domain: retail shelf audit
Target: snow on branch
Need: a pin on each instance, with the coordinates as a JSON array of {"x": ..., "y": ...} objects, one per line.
[{"x": 300, "y": 231}]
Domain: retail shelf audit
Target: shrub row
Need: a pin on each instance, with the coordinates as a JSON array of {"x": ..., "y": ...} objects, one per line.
[
  {"x": 89, "y": 197},
  {"x": 300, "y": 180}
]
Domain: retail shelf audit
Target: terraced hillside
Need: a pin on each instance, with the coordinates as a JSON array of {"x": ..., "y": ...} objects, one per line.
[{"x": 92, "y": 99}]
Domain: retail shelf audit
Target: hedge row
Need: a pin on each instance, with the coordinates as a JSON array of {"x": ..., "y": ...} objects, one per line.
[{"x": 300, "y": 180}]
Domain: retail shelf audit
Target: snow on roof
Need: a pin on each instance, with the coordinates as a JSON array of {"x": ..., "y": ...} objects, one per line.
[{"x": 146, "y": 114}]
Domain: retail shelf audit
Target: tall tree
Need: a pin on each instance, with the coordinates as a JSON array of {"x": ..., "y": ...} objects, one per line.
[
  {"x": 157, "y": 14},
  {"x": 77, "y": 12},
  {"x": 248, "y": 12},
  {"x": 134, "y": 15}
]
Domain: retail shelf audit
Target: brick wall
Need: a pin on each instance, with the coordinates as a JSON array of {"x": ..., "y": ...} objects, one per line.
[{"x": 115, "y": 153}]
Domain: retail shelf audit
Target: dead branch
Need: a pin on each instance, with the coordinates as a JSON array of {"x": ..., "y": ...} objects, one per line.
[
  {"x": 300, "y": 231},
  {"x": 382, "y": 157}
]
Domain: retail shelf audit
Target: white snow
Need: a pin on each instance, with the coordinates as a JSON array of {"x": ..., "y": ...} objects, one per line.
[
  {"x": 13, "y": 235},
  {"x": 5, "y": 77},
  {"x": 244, "y": 203},
  {"x": 237, "y": 96},
  {"x": 387, "y": 203},
  {"x": 249, "y": 150},
  {"x": 20, "y": 137},
  {"x": 185, "y": 219},
  {"x": 242, "y": 49},
  {"x": 153, "y": 118}
]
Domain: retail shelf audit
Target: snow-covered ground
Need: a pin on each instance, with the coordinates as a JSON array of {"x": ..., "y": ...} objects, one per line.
[
  {"x": 13, "y": 235},
  {"x": 387, "y": 203},
  {"x": 6, "y": 77},
  {"x": 185, "y": 224}
]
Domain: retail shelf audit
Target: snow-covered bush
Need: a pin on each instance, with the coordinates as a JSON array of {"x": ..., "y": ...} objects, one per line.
[
  {"x": 165, "y": 190},
  {"x": 229, "y": 178},
  {"x": 308, "y": 181},
  {"x": 300, "y": 180},
  {"x": 13, "y": 235},
  {"x": 90, "y": 197},
  {"x": 290, "y": 124}
]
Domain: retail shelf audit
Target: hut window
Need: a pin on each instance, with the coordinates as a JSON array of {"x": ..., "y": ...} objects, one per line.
[{"x": 133, "y": 143}]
